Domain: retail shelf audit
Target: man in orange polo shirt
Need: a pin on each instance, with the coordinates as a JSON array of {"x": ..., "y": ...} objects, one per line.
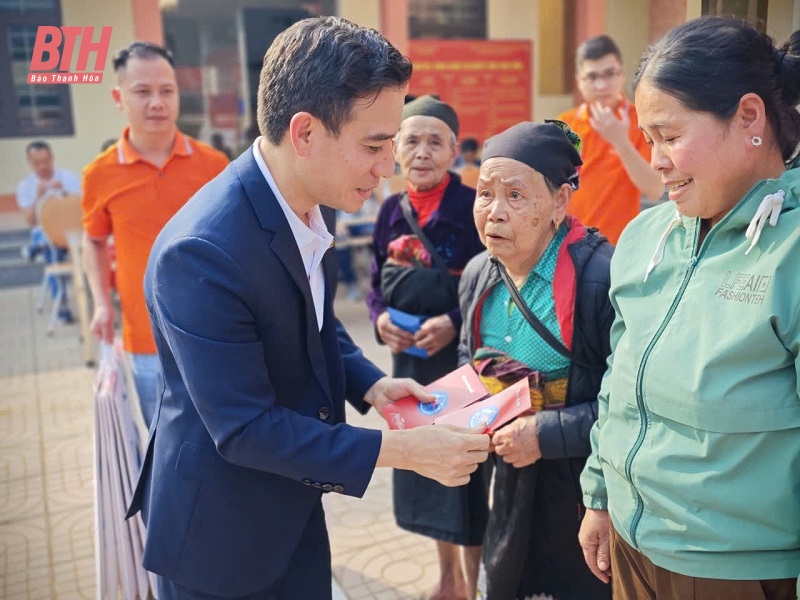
[
  {"x": 130, "y": 191},
  {"x": 616, "y": 168}
]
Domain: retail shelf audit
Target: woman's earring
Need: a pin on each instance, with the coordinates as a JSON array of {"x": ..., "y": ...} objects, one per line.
[{"x": 756, "y": 141}]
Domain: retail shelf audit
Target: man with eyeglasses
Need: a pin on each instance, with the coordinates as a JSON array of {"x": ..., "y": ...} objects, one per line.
[
  {"x": 616, "y": 170},
  {"x": 130, "y": 191}
]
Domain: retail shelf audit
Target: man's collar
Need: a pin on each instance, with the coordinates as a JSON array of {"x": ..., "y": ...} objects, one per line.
[
  {"x": 127, "y": 154},
  {"x": 316, "y": 230}
]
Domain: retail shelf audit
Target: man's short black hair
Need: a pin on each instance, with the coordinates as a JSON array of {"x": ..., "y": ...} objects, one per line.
[
  {"x": 38, "y": 145},
  {"x": 143, "y": 50},
  {"x": 596, "y": 48},
  {"x": 469, "y": 144},
  {"x": 322, "y": 65}
]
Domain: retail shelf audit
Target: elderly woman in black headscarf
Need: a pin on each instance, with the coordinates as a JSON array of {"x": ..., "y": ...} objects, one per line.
[{"x": 535, "y": 304}]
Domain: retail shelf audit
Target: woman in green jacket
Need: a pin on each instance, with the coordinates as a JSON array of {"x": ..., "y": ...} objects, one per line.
[{"x": 693, "y": 486}]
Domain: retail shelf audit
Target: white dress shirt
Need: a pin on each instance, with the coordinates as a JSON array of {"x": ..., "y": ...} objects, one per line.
[{"x": 313, "y": 242}]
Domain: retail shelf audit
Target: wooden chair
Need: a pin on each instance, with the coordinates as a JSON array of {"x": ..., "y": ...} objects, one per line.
[{"x": 60, "y": 218}]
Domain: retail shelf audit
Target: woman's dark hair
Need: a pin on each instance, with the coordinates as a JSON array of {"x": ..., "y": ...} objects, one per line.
[
  {"x": 322, "y": 66},
  {"x": 709, "y": 63}
]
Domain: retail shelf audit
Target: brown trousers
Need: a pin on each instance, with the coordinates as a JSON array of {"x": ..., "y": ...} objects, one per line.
[{"x": 636, "y": 578}]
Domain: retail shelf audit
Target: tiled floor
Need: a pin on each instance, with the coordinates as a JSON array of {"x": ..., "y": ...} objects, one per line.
[
  {"x": 46, "y": 474},
  {"x": 46, "y": 471}
]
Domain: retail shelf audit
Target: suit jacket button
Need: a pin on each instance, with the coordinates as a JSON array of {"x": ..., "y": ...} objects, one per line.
[
  {"x": 306, "y": 482},
  {"x": 338, "y": 488},
  {"x": 327, "y": 487},
  {"x": 324, "y": 413},
  {"x": 316, "y": 484}
]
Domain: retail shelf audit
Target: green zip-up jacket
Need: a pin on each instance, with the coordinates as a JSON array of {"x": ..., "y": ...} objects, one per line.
[{"x": 696, "y": 451}]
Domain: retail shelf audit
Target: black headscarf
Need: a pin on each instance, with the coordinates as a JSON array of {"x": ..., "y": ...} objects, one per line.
[{"x": 551, "y": 148}]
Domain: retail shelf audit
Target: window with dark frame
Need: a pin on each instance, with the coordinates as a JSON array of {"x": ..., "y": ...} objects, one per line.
[
  {"x": 29, "y": 110},
  {"x": 447, "y": 19}
]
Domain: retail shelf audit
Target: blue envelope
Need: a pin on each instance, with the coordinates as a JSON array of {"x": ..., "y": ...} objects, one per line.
[{"x": 410, "y": 323}]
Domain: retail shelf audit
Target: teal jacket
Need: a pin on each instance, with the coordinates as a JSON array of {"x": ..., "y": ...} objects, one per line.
[{"x": 696, "y": 451}]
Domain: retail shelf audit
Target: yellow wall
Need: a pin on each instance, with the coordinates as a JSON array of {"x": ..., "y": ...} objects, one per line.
[
  {"x": 362, "y": 12},
  {"x": 627, "y": 23},
  {"x": 694, "y": 8},
  {"x": 95, "y": 118},
  {"x": 783, "y": 17},
  {"x": 514, "y": 20},
  {"x": 550, "y": 55}
]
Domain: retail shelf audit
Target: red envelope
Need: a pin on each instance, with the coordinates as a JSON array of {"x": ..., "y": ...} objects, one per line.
[
  {"x": 454, "y": 391},
  {"x": 493, "y": 412}
]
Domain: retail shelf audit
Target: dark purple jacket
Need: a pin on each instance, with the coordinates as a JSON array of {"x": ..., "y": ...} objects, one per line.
[{"x": 451, "y": 230}]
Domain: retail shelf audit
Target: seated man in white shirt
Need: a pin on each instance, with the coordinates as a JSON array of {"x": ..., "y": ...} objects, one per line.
[{"x": 44, "y": 180}]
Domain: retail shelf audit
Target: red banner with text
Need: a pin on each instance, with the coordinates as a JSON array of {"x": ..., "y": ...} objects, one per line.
[{"x": 488, "y": 82}]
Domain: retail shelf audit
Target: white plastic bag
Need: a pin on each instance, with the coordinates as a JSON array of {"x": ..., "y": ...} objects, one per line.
[{"x": 119, "y": 542}]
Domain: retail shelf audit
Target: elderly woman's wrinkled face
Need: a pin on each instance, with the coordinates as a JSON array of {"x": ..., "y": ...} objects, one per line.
[
  {"x": 425, "y": 149},
  {"x": 515, "y": 211}
]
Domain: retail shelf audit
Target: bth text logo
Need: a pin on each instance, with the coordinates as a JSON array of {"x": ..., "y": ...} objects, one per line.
[{"x": 47, "y": 56}]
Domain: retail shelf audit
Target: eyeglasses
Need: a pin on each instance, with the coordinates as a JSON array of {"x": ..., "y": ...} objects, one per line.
[{"x": 593, "y": 77}]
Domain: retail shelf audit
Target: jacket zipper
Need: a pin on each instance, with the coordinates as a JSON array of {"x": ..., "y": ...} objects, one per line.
[
  {"x": 697, "y": 253},
  {"x": 637, "y": 515}
]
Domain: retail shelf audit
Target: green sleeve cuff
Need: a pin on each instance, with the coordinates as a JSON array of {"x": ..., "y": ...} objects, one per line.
[{"x": 595, "y": 503}]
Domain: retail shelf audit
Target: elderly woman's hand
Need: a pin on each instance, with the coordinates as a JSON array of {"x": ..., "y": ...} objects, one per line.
[
  {"x": 435, "y": 334},
  {"x": 518, "y": 443},
  {"x": 397, "y": 339}
]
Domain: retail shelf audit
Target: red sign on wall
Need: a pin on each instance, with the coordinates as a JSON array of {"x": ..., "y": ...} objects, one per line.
[
  {"x": 488, "y": 82},
  {"x": 224, "y": 110}
]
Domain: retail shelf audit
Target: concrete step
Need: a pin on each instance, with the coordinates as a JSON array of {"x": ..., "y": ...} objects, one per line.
[
  {"x": 15, "y": 271},
  {"x": 10, "y": 251},
  {"x": 15, "y": 236},
  {"x": 20, "y": 273}
]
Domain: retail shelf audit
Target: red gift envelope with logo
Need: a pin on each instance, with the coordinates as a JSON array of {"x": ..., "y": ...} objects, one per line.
[
  {"x": 493, "y": 412},
  {"x": 453, "y": 392}
]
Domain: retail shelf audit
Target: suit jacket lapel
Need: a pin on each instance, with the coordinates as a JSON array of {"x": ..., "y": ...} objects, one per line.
[{"x": 283, "y": 244}]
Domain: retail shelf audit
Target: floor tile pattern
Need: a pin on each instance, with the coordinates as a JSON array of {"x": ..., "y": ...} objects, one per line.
[{"x": 46, "y": 474}]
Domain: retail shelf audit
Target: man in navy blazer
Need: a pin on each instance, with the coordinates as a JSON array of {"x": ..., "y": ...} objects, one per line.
[{"x": 249, "y": 427}]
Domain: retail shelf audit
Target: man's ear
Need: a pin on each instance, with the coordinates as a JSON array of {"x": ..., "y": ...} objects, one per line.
[
  {"x": 303, "y": 129},
  {"x": 116, "y": 95}
]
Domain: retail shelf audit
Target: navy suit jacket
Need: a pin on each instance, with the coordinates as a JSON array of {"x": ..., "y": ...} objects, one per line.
[{"x": 249, "y": 426}]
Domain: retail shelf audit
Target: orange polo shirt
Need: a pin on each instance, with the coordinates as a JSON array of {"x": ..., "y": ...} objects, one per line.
[
  {"x": 607, "y": 198},
  {"x": 132, "y": 199}
]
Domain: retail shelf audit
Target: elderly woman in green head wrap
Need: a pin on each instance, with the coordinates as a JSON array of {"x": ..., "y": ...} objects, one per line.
[{"x": 535, "y": 305}]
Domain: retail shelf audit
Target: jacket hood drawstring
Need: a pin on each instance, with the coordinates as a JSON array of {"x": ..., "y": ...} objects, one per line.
[
  {"x": 658, "y": 255},
  {"x": 768, "y": 210}
]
